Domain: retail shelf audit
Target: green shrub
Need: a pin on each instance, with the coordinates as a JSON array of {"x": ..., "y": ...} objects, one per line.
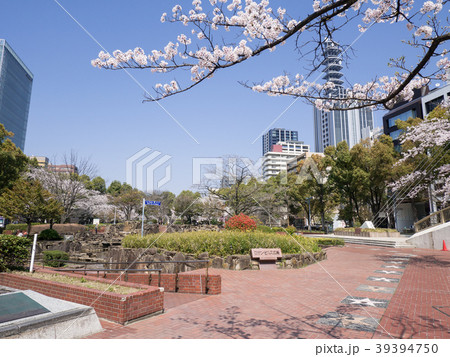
[
  {"x": 264, "y": 229},
  {"x": 51, "y": 258},
  {"x": 92, "y": 226},
  {"x": 18, "y": 226},
  {"x": 329, "y": 241},
  {"x": 378, "y": 230},
  {"x": 221, "y": 243},
  {"x": 14, "y": 251},
  {"x": 49, "y": 234},
  {"x": 289, "y": 229}
]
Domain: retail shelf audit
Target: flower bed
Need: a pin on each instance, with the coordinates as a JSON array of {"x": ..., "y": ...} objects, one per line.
[{"x": 112, "y": 306}]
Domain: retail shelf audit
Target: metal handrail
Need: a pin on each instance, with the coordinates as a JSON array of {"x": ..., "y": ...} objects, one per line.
[{"x": 440, "y": 217}]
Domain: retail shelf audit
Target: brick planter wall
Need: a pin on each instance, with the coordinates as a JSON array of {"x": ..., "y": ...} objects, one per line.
[
  {"x": 111, "y": 306},
  {"x": 187, "y": 283}
]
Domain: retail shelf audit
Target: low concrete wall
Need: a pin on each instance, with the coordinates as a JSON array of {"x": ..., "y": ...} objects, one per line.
[
  {"x": 115, "y": 307},
  {"x": 432, "y": 238}
]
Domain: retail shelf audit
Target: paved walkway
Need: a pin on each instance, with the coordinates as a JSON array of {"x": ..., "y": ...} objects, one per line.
[{"x": 359, "y": 292}]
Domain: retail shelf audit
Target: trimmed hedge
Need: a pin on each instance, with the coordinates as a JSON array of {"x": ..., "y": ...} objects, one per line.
[
  {"x": 51, "y": 257},
  {"x": 378, "y": 230},
  {"x": 19, "y": 226},
  {"x": 222, "y": 243},
  {"x": 266, "y": 229},
  {"x": 49, "y": 234},
  {"x": 329, "y": 241},
  {"x": 14, "y": 251}
]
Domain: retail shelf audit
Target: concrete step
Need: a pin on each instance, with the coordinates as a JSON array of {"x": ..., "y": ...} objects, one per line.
[{"x": 372, "y": 242}]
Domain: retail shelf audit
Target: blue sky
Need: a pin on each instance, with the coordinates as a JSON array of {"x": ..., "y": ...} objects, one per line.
[{"x": 100, "y": 114}]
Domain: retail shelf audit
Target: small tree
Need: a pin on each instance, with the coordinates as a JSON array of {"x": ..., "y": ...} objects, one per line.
[
  {"x": 12, "y": 160},
  {"x": 68, "y": 188},
  {"x": 163, "y": 212},
  {"x": 425, "y": 156},
  {"x": 187, "y": 205},
  {"x": 28, "y": 201},
  {"x": 128, "y": 201}
]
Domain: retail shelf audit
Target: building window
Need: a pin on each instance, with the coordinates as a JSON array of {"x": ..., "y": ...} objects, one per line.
[
  {"x": 429, "y": 106},
  {"x": 404, "y": 117},
  {"x": 395, "y": 134}
]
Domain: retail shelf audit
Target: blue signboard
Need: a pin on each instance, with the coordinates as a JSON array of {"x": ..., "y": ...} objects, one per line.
[
  {"x": 153, "y": 203},
  {"x": 2, "y": 222}
]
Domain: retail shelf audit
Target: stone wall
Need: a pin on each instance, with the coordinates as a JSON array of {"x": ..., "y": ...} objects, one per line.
[
  {"x": 89, "y": 246},
  {"x": 231, "y": 262}
]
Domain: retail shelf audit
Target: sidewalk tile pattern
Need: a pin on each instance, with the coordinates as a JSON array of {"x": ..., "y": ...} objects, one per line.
[{"x": 307, "y": 302}]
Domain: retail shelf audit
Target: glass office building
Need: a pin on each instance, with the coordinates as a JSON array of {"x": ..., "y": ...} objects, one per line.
[
  {"x": 275, "y": 135},
  {"x": 15, "y": 93}
]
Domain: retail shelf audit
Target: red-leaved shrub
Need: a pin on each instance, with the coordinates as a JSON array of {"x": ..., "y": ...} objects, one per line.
[{"x": 241, "y": 222}]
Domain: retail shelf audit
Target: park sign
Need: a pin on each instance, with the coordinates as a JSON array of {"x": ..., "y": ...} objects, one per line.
[
  {"x": 147, "y": 203},
  {"x": 266, "y": 253}
]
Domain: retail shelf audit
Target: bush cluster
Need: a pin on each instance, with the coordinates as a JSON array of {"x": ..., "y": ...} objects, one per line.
[
  {"x": 52, "y": 257},
  {"x": 18, "y": 226},
  {"x": 240, "y": 222},
  {"x": 289, "y": 229},
  {"x": 222, "y": 244},
  {"x": 49, "y": 234},
  {"x": 14, "y": 251},
  {"x": 329, "y": 241}
]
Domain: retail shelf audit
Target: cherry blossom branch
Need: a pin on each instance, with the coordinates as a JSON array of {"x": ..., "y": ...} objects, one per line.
[{"x": 258, "y": 23}]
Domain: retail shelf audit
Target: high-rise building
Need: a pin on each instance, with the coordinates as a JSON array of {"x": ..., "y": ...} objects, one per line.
[
  {"x": 332, "y": 127},
  {"x": 15, "y": 92},
  {"x": 275, "y": 135},
  {"x": 403, "y": 111},
  {"x": 275, "y": 161},
  {"x": 422, "y": 103}
]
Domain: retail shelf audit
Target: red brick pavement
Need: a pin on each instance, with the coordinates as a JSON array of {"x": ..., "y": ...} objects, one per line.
[
  {"x": 423, "y": 295},
  {"x": 288, "y": 303}
]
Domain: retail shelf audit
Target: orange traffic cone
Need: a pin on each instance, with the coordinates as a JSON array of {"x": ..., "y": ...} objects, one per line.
[{"x": 444, "y": 247}]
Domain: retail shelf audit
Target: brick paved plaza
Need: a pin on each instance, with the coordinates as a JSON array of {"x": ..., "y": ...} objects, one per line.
[{"x": 370, "y": 292}]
